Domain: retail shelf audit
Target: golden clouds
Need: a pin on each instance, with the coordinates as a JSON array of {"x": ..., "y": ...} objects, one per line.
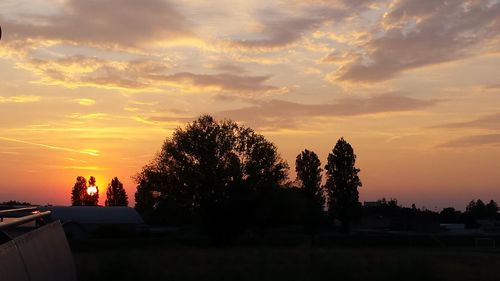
[
  {"x": 80, "y": 71},
  {"x": 19, "y": 99},
  {"x": 139, "y": 75},
  {"x": 94, "y": 116},
  {"x": 168, "y": 122},
  {"x": 86, "y": 102},
  {"x": 86, "y": 168}
]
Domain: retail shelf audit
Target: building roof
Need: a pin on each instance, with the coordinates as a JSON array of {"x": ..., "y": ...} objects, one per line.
[{"x": 95, "y": 214}]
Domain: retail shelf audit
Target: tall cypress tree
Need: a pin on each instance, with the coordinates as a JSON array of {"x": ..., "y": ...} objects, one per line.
[
  {"x": 78, "y": 192},
  {"x": 308, "y": 168},
  {"x": 115, "y": 194},
  {"x": 342, "y": 183}
]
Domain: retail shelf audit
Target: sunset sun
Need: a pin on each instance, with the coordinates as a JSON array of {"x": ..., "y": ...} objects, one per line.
[{"x": 91, "y": 190}]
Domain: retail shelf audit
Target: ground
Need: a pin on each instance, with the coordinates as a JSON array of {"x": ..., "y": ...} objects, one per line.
[{"x": 160, "y": 259}]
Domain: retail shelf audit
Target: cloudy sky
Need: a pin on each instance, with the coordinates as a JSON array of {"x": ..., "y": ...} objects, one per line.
[{"x": 93, "y": 87}]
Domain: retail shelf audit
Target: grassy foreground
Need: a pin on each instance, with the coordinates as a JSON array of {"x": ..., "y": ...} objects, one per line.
[{"x": 151, "y": 261}]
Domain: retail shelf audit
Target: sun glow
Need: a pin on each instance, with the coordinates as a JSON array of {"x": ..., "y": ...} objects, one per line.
[{"x": 91, "y": 190}]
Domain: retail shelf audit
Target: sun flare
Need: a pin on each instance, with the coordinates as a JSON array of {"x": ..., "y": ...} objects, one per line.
[{"x": 91, "y": 190}]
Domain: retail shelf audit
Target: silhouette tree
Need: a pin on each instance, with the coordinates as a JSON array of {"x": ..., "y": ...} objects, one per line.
[
  {"x": 308, "y": 168},
  {"x": 342, "y": 184},
  {"x": 79, "y": 191},
  {"x": 115, "y": 194},
  {"x": 91, "y": 195},
  {"x": 205, "y": 166},
  {"x": 491, "y": 210},
  {"x": 477, "y": 209}
]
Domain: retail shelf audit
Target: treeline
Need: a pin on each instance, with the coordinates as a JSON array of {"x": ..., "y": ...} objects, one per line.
[
  {"x": 475, "y": 212},
  {"x": 87, "y": 194},
  {"x": 416, "y": 219},
  {"x": 15, "y": 203},
  {"x": 225, "y": 178}
]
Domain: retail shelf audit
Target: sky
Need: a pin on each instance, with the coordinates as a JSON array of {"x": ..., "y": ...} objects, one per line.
[{"x": 94, "y": 87}]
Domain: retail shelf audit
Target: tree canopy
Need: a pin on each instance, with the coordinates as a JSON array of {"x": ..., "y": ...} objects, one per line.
[
  {"x": 342, "y": 183},
  {"x": 205, "y": 164}
]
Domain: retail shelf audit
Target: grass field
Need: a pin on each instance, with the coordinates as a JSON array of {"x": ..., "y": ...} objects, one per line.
[{"x": 124, "y": 259}]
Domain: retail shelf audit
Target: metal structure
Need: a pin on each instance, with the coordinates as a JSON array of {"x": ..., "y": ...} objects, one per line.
[
  {"x": 34, "y": 215},
  {"x": 33, "y": 253}
]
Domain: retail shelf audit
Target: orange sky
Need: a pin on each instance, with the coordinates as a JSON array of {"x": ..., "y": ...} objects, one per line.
[{"x": 93, "y": 88}]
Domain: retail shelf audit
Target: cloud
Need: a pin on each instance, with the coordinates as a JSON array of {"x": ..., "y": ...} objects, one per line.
[
  {"x": 78, "y": 71},
  {"x": 491, "y": 121},
  {"x": 216, "y": 82},
  {"x": 90, "y": 116},
  {"x": 470, "y": 141},
  {"x": 86, "y": 168},
  {"x": 175, "y": 120},
  {"x": 280, "y": 115},
  {"x": 19, "y": 99},
  {"x": 285, "y": 25},
  {"x": 278, "y": 33},
  {"x": 170, "y": 122},
  {"x": 140, "y": 74},
  {"x": 86, "y": 102},
  {"x": 492, "y": 86},
  {"x": 91, "y": 152},
  {"x": 340, "y": 57},
  {"x": 228, "y": 68},
  {"x": 285, "y": 114},
  {"x": 103, "y": 23},
  {"x": 422, "y": 33}
]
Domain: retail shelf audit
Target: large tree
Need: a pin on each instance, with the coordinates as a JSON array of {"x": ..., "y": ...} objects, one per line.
[
  {"x": 78, "y": 192},
  {"x": 342, "y": 183},
  {"x": 208, "y": 164},
  {"x": 115, "y": 194},
  {"x": 308, "y": 168}
]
